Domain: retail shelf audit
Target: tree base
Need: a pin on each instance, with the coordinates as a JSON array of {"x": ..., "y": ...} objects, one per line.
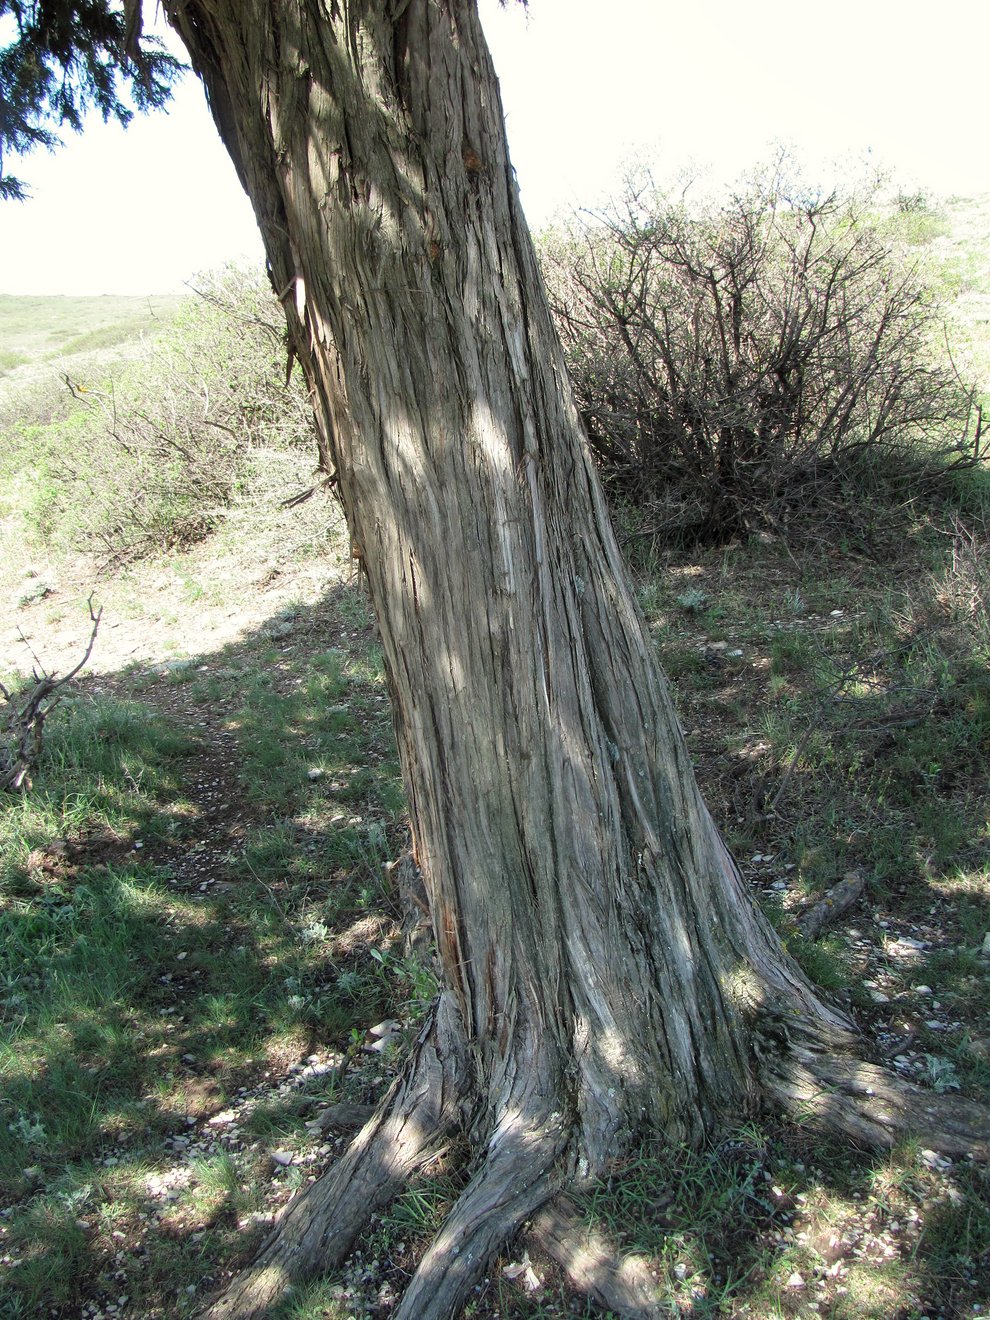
[{"x": 529, "y": 1158}]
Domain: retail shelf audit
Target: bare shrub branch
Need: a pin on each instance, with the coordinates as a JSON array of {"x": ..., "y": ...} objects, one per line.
[
  {"x": 25, "y": 714},
  {"x": 728, "y": 359}
]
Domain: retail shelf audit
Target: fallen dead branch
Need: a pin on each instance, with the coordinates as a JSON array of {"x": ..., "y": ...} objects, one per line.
[
  {"x": 25, "y": 714},
  {"x": 814, "y": 919}
]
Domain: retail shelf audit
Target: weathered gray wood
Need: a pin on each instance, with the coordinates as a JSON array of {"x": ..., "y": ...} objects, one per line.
[
  {"x": 608, "y": 967},
  {"x": 584, "y": 906},
  {"x": 342, "y": 1117},
  {"x": 839, "y": 899},
  {"x": 873, "y": 1107},
  {"x": 622, "y": 1285}
]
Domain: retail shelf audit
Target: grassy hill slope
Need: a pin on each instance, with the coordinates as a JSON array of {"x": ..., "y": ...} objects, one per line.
[{"x": 38, "y": 330}]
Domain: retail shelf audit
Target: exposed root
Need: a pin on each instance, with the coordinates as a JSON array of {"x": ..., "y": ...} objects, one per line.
[
  {"x": 875, "y": 1108},
  {"x": 623, "y": 1285},
  {"x": 320, "y": 1225},
  {"x": 528, "y": 1159},
  {"x": 523, "y": 1168}
]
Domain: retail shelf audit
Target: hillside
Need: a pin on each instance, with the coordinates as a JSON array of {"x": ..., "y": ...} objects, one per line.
[{"x": 42, "y": 332}]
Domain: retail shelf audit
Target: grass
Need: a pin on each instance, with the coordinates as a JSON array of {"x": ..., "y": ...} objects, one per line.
[
  {"x": 253, "y": 930},
  {"x": 197, "y": 929},
  {"x": 286, "y": 955},
  {"x": 136, "y": 1003},
  {"x": 33, "y": 328}
]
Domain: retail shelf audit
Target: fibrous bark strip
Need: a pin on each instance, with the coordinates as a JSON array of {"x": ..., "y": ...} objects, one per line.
[{"x": 604, "y": 964}]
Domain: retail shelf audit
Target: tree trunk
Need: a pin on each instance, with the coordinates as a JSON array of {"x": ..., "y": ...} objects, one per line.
[{"x": 605, "y": 972}]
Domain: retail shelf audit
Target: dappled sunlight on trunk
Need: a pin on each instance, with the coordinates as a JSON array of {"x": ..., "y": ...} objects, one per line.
[{"x": 605, "y": 973}]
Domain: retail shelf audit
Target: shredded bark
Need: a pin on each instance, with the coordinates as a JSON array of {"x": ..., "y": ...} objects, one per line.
[{"x": 594, "y": 1266}]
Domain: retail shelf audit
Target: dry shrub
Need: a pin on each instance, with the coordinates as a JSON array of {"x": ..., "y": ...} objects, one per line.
[
  {"x": 964, "y": 588},
  {"x": 732, "y": 360}
]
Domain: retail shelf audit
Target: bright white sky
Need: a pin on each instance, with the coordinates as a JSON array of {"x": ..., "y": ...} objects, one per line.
[{"x": 586, "y": 84}]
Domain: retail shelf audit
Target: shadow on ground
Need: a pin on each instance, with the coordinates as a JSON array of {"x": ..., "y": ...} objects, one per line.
[{"x": 198, "y": 932}]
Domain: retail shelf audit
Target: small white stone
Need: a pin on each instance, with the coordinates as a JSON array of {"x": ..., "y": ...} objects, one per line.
[{"x": 387, "y": 1028}]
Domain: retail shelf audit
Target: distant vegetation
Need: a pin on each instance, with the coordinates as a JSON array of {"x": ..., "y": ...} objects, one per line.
[
  {"x": 39, "y": 330},
  {"x": 151, "y": 450},
  {"x": 752, "y": 364}
]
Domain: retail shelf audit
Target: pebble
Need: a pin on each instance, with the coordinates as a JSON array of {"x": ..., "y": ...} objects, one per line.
[
  {"x": 934, "y": 1160},
  {"x": 387, "y": 1028}
]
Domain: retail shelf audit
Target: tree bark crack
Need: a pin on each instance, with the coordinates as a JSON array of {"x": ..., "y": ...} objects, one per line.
[{"x": 604, "y": 968}]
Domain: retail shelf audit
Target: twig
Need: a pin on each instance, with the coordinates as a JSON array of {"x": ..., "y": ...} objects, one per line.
[{"x": 813, "y": 921}]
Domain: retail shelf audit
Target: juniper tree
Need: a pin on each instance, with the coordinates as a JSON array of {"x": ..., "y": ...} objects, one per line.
[{"x": 605, "y": 974}]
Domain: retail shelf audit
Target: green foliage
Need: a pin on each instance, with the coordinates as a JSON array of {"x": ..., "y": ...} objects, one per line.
[
  {"x": 154, "y": 453},
  {"x": 733, "y": 360},
  {"x": 65, "y": 59}
]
